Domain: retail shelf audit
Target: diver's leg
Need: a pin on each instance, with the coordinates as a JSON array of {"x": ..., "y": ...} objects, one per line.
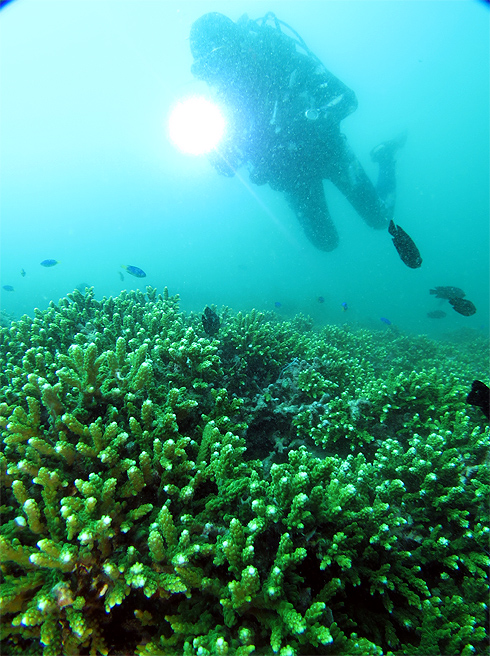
[
  {"x": 307, "y": 199},
  {"x": 384, "y": 154},
  {"x": 386, "y": 185},
  {"x": 350, "y": 178}
]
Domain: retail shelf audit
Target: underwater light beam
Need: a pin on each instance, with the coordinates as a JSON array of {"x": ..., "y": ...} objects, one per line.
[{"x": 196, "y": 125}]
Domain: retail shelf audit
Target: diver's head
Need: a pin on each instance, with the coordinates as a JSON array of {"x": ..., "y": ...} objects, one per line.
[{"x": 214, "y": 41}]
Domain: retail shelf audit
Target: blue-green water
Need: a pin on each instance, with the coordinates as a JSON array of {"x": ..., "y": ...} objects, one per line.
[{"x": 88, "y": 176}]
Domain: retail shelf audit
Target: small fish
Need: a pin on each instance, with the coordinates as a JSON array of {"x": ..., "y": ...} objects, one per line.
[
  {"x": 49, "y": 263},
  {"x": 23, "y": 273},
  {"x": 134, "y": 270},
  {"x": 8, "y": 288},
  {"x": 447, "y": 292},
  {"x": 277, "y": 304},
  {"x": 386, "y": 321},
  {"x": 121, "y": 275},
  {"x": 210, "y": 322},
  {"x": 463, "y": 306},
  {"x": 405, "y": 246},
  {"x": 436, "y": 314},
  {"x": 345, "y": 307},
  {"x": 479, "y": 396},
  {"x": 321, "y": 299}
]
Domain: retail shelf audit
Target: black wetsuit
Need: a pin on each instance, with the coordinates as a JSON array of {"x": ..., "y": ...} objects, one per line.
[{"x": 285, "y": 111}]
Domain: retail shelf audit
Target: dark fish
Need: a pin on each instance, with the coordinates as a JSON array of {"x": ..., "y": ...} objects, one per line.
[
  {"x": 405, "y": 246},
  {"x": 386, "y": 321},
  {"x": 121, "y": 275},
  {"x": 49, "y": 263},
  {"x": 436, "y": 314},
  {"x": 463, "y": 306},
  {"x": 210, "y": 322},
  {"x": 134, "y": 270},
  {"x": 447, "y": 292},
  {"x": 345, "y": 307},
  {"x": 277, "y": 304},
  {"x": 8, "y": 288},
  {"x": 23, "y": 273},
  {"x": 321, "y": 299},
  {"x": 479, "y": 396}
]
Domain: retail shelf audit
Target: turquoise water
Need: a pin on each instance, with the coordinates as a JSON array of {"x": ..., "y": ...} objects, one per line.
[{"x": 89, "y": 178}]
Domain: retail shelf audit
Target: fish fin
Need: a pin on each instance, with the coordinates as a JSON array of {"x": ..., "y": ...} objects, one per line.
[{"x": 392, "y": 228}]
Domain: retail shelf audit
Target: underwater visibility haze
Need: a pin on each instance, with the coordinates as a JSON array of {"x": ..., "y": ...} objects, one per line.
[
  {"x": 90, "y": 178},
  {"x": 223, "y": 432}
]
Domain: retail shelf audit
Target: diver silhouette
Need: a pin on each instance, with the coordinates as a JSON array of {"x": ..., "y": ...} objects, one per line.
[{"x": 284, "y": 109}]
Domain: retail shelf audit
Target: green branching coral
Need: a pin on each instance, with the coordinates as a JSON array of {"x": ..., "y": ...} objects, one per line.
[{"x": 271, "y": 490}]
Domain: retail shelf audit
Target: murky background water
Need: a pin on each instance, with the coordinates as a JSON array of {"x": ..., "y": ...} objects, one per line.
[{"x": 89, "y": 178}]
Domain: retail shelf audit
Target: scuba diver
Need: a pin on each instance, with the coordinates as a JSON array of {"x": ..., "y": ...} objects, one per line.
[{"x": 284, "y": 110}]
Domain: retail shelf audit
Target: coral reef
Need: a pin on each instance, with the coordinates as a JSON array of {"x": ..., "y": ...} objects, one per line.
[{"x": 270, "y": 489}]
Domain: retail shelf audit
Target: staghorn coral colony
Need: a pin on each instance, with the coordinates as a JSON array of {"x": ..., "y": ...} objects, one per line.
[{"x": 272, "y": 490}]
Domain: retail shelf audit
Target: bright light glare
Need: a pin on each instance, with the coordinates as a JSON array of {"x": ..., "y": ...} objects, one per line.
[{"x": 196, "y": 125}]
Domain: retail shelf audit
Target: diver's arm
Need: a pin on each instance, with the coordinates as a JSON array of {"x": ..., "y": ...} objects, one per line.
[
  {"x": 226, "y": 160},
  {"x": 316, "y": 86},
  {"x": 334, "y": 98},
  {"x": 230, "y": 154}
]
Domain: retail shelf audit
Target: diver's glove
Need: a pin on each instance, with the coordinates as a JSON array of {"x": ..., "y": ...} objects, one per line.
[
  {"x": 226, "y": 160},
  {"x": 221, "y": 165}
]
